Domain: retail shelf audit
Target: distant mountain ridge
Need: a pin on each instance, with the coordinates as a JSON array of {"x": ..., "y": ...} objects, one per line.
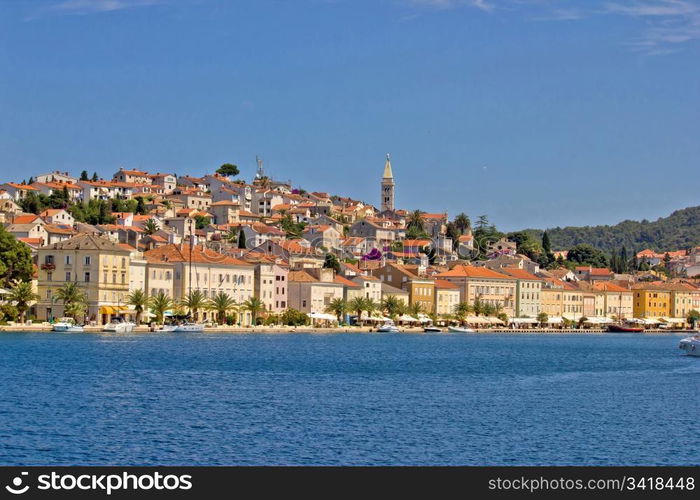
[{"x": 678, "y": 231}]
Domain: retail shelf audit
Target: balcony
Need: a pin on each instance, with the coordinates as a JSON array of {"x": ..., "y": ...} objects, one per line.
[{"x": 48, "y": 266}]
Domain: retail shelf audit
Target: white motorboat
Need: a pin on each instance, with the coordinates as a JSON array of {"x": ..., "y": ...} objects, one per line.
[
  {"x": 188, "y": 327},
  {"x": 691, "y": 345},
  {"x": 67, "y": 325},
  {"x": 388, "y": 327},
  {"x": 167, "y": 328},
  {"x": 432, "y": 329},
  {"x": 459, "y": 329},
  {"x": 119, "y": 325}
]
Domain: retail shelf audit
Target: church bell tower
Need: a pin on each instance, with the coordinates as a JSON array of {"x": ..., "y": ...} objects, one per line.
[{"x": 387, "y": 196}]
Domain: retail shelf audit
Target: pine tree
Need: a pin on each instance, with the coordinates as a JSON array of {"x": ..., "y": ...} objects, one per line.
[
  {"x": 241, "y": 239},
  {"x": 95, "y": 178},
  {"x": 84, "y": 176}
]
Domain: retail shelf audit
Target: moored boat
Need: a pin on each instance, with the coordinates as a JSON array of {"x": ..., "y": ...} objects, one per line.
[
  {"x": 460, "y": 329},
  {"x": 691, "y": 345},
  {"x": 388, "y": 327},
  {"x": 432, "y": 329},
  {"x": 625, "y": 328},
  {"x": 188, "y": 327},
  {"x": 67, "y": 325},
  {"x": 119, "y": 325}
]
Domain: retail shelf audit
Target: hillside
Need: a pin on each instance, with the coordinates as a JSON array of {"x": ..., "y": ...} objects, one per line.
[{"x": 679, "y": 230}]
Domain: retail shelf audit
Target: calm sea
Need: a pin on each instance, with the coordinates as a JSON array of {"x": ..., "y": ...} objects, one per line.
[{"x": 347, "y": 399}]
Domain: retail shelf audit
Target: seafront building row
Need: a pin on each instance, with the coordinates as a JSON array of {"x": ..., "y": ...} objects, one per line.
[{"x": 268, "y": 241}]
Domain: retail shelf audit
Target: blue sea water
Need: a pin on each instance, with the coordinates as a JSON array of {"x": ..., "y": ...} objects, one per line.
[{"x": 227, "y": 399}]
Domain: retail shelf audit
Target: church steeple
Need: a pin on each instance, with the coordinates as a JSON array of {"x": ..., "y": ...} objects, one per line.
[{"x": 387, "y": 185}]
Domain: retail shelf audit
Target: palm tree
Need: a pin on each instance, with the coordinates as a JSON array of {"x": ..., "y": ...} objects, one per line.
[
  {"x": 194, "y": 301},
  {"x": 478, "y": 306},
  {"x": 73, "y": 298},
  {"x": 159, "y": 304},
  {"x": 357, "y": 305},
  {"x": 462, "y": 310},
  {"x": 222, "y": 303},
  {"x": 462, "y": 223},
  {"x": 255, "y": 306},
  {"x": 22, "y": 295},
  {"x": 416, "y": 309},
  {"x": 338, "y": 307},
  {"x": 138, "y": 299},
  {"x": 150, "y": 227},
  {"x": 392, "y": 305},
  {"x": 371, "y": 306},
  {"x": 415, "y": 220}
]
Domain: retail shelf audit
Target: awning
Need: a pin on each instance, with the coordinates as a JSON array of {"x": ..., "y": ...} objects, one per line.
[
  {"x": 107, "y": 310},
  {"x": 597, "y": 320},
  {"x": 675, "y": 321},
  {"x": 408, "y": 318},
  {"x": 527, "y": 321},
  {"x": 555, "y": 320},
  {"x": 323, "y": 316}
]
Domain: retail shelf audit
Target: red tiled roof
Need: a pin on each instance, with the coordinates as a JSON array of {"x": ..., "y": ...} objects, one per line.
[{"x": 462, "y": 271}]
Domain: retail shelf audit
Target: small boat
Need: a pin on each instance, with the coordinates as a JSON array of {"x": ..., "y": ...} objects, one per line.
[
  {"x": 625, "y": 328},
  {"x": 119, "y": 325},
  {"x": 432, "y": 329},
  {"x": 188, "y": 327},
  {"x": 691, "y": 345},
  {"x": 459, "y": 329},
  {"x": 167, "y": 328},
  {"x": 67, "y": 325},
  {"x": 388, "y": 327}
]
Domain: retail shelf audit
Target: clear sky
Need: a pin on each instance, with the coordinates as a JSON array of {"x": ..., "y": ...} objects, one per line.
[{"x": 536, "y": 112}]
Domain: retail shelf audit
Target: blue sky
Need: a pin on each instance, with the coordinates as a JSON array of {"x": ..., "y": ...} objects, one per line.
[{"x": 536, "y": 112}]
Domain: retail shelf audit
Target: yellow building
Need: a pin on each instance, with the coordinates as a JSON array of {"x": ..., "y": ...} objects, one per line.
[
  {"x": 99, "y": 266},
  {"x": 651, "y": 301},
  {"x": 446, "y": 297},
  {"x": 421, "y": 289},
  {"x": 489, "y": 286}
]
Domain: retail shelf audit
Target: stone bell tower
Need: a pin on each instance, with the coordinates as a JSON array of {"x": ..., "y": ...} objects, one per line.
[{"x": 387, "y": 196}]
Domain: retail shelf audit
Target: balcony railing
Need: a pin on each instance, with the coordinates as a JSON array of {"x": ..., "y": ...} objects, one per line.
[{"x": 48, "y": 267}]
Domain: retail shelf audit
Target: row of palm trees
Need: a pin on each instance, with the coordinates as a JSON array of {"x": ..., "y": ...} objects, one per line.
[
  {"x": 194, "y": 302},
  {"x": 391, "y": 305},
  {"x": 75, "y": 302}
]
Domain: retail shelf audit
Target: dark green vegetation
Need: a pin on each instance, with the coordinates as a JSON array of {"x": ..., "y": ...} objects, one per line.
[{"x": 678, "y": 231}]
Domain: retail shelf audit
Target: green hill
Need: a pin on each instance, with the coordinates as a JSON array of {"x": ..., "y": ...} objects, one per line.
[{"x": 679, "y": 230}]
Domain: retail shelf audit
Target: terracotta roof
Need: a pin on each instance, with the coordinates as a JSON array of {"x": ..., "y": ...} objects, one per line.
[
  {"x": 21, "y": 186},
  {"x": 347, "y": 282},
  {"x": 442, "y": 284},
  {"x": 26, "y": 219},
  {"x": 301, "y": 277},
  {"x": 51, "y": 212},
  {"x": 520, "y": 274},
  {"x": 87, "y": 242},
  {"x": 226, "y": 203},
  {"x": 200, "y": 255},
  {"x": 58, "y": 229},
  {"x": 462, "y": 271},
  {"x": 34, "y": 242}
]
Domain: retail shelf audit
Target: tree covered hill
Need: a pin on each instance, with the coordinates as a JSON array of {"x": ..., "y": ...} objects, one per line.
[{"x": 679, "y": 230}]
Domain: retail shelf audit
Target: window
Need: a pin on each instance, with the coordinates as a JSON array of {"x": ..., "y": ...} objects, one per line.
[
  {"x": 48, "y": 294},
  {"x": 123, "y": 261},
  {"x": 68, "y": 260},
  {"x": 88, "y": 260},
  {"x": 68, "y": 276},
  {"x": 87, "y": 276},
  {"x": 123, "y": 278},
  {"x": 49, "y": 276}
]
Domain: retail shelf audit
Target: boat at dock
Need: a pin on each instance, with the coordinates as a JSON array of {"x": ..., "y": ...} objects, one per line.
[
  {"x": 188, "y": 327},
  {"x": 459, "y": 329},
  {"x": 119, "y": 325},
  {"x": 67, "y": 325},
  {"x": 618, "y": 328},
  {"x": 432, "y": 329},
  {"x": 388, "y": 327},
  {"x": 691, "y": 345}
]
